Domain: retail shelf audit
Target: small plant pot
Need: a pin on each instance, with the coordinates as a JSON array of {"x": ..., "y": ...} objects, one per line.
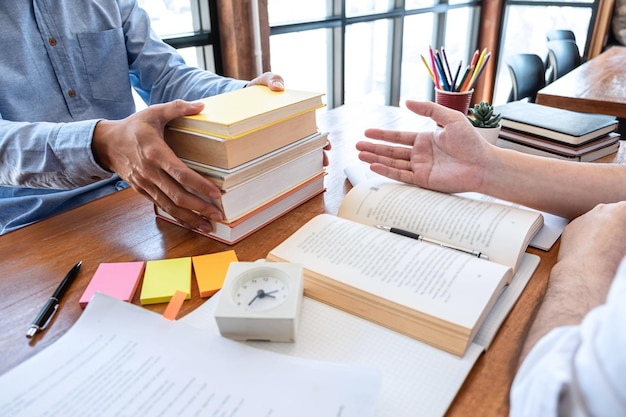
[{"x": 490, "y": 134}]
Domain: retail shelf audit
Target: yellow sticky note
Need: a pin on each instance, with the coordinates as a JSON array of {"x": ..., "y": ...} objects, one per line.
[
  {"x": 162, "y": 278},
  {"x": 211, "y": 270}
]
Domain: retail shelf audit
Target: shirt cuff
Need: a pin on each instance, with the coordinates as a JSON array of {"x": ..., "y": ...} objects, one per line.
[{"x": 72, "y": 146}]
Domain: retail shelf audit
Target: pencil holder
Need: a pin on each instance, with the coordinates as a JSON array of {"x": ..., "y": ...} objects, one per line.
[{"x": 454, "y": 100}]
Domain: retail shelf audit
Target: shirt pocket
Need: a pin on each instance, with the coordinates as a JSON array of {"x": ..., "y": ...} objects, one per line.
[{"x": 104, "y": 55}]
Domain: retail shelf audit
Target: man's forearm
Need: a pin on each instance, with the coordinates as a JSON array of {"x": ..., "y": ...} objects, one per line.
[{"x": 571, "y": 294}]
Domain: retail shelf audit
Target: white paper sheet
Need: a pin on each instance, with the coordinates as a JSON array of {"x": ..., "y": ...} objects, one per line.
[{"x": 121, "y": 359}]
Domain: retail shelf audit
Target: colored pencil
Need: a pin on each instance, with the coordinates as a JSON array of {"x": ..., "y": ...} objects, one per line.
[
  {"x": 465, "y": 81},
  {"x": 442, "y": 73},
  {"x": 480, "y": 70},
  {"x": 456, "y": 76},
  {"x": 447, "y": 67},
  {"x": 430, "y": 72},
  {"x": 432, "y": 60}
]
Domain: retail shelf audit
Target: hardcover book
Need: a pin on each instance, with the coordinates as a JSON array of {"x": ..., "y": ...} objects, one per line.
[
  {"x": 229, "y": 178},
  {"x": 561, "y": 125},
  {"x": 432, "y": 287},
  {"x": 242, "y": 198},
  {"x": 242, "y": 111},
  {"x": 205, "y": 148},
  {"x": 589, "y": 151},
  {"x": 588, "y": 155},
  {"x": 231, "y": 233}
]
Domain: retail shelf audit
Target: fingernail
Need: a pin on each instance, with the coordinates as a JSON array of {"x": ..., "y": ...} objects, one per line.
[
  {"x": 278, "y": 84},
  {"x": 205, "y": 227}
]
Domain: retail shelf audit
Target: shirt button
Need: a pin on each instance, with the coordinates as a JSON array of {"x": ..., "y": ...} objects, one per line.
[
  {"x": 52, "y": 41},
  {"x": 71, "y": 93}
]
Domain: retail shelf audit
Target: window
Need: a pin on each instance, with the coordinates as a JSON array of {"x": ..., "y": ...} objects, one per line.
[
  {"x": 526, "y": 24},
  {"x": 184, "y": 24},
  {"x": 369, "y": 51}
]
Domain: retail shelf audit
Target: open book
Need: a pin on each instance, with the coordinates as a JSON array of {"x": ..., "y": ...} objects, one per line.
[
  {"x": 417, "y": 378},
  {"x": 435, "y": 293}
]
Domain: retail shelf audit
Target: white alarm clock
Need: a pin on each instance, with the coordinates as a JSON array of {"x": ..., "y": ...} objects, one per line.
[{"x": 260, "y": 301}]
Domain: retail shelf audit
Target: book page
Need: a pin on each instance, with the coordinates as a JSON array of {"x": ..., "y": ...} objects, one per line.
[
  {"x": 544, "y": 239},
  {"x": 440, "y": 282},
  {"x": 547, "y": 236},
  {"x": 501, "y": 232},
  {"x": 121, "y": 359}
]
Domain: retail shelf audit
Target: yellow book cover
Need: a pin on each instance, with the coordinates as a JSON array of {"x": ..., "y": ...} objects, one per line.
[
  {"x": 162, "y": 278},
  {"x": 238, "y": 112}
]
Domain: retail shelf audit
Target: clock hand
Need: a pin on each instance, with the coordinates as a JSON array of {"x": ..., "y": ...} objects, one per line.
[
  {"x": 259, "y": 294},
  {"x": 262, "y": 294}
]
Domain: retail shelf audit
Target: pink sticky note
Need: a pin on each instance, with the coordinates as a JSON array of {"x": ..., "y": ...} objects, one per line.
[{"x": 118, "y": 279}]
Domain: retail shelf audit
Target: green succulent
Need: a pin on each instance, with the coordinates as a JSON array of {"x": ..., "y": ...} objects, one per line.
[{"x": 482, "y": 115}]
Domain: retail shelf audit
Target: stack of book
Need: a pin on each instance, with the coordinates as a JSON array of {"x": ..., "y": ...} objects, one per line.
[
  {"x": 557, "y": 133},
  {"x": 261, "y": 148}
]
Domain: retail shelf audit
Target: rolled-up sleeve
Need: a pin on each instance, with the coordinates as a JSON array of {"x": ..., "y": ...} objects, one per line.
[{"x": 578, "y": 370}]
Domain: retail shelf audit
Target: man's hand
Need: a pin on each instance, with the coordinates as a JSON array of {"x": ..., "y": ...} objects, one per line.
[
  {"x": 592, "y": 247},
  {"x": 134, "y": 148},
  {"x": 273, "y": 81},
  {"x": 451, "y": 159}
]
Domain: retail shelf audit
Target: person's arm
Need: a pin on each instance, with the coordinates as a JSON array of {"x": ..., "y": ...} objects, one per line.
[
  {"x": 48, "y": 155},
  {"x": 572, "y": 361},
  {"x": 158, "y": 72},
  {"x": 592, "y": 247},
  {"x": 457, "y": 159}
]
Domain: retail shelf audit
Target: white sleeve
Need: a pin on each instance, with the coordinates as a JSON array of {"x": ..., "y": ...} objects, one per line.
[{"x": 578, "y": 370}]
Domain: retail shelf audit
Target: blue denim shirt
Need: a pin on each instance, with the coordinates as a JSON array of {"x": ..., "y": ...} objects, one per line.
[{"x": 66, "y": 64}]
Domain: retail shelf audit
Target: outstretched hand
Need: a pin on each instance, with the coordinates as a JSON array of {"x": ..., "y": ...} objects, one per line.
[
  {"x": 134, "y": 148},
  {"x": 451, "y": 159}
]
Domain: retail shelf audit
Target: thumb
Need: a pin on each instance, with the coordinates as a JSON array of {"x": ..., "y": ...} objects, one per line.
[
  {"x": 177, "y": 108},
  {"x": 440, "y": 114}
]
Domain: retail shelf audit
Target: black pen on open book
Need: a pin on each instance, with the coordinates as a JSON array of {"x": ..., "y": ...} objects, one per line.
[{"x": 412, "y": 235}]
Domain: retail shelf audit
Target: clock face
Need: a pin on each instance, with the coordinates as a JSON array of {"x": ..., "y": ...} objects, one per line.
[{"x": 260, "y": 293}]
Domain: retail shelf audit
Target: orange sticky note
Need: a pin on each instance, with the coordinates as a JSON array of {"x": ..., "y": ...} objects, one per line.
[
  {"x": 163, "y": 278},
  {"x": 173, "y": 307},
  {"x": 211, "y": 270}
]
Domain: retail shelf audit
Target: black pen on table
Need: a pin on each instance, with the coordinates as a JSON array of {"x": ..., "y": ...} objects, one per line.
[
  {"x": 51, "y": 306},
  {"x": 412, "y": 235}
]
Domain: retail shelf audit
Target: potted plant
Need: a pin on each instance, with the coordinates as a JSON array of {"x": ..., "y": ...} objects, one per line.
[{"x": 485, "y": 121}]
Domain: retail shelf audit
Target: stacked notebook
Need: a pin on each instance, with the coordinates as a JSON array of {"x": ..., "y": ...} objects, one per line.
[
  {"x": 260, "y": 147},
  {"x": 557, "y": 133}
]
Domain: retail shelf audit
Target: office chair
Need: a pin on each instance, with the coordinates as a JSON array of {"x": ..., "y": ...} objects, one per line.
[
  {"x": 560, "y": 34},
  {"x": 556, "y": 35},
  {"x": 563, "y": 56},
  {"x": 528, "y": 75}
]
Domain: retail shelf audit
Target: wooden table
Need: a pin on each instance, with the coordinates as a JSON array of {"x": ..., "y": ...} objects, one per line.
[
  {"x": 122, "y": 227},
  {"x": 597, "y": 86}
]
